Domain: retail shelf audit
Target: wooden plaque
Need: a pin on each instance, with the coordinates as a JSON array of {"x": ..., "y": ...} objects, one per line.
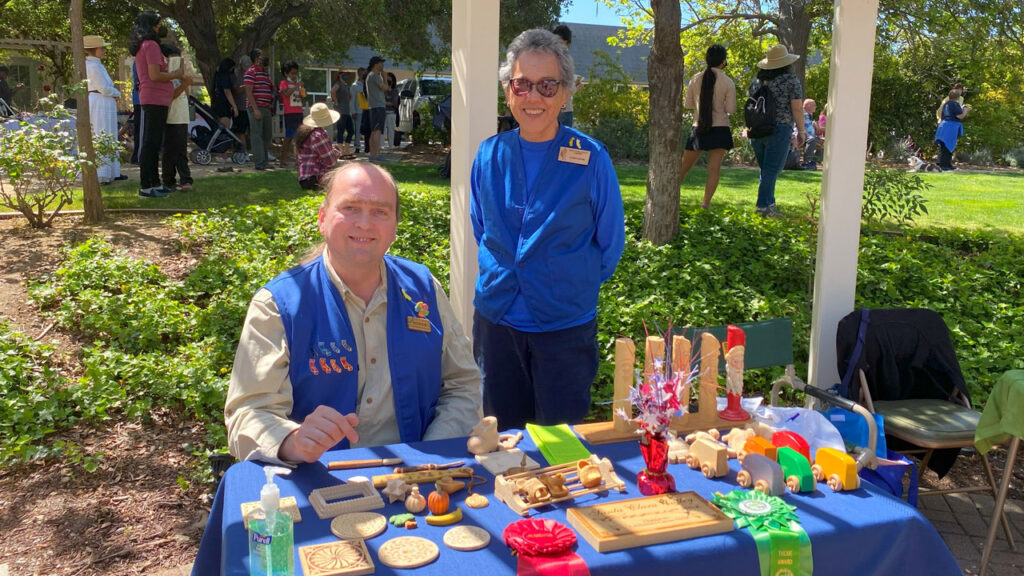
[{"x": 649, "y": 520}]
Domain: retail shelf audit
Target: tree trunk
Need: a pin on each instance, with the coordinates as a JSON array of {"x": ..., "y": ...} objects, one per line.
[
  {"x": 665, "y": 73},
  {"x": 796, "y": 32},
  {"x": 93, "y": 199}
]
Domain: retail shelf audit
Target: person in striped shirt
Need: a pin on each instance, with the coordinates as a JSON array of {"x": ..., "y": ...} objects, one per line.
[{"x": 259, "y": 94}]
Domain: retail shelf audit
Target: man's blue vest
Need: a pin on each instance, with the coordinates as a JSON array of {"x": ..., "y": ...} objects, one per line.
[{"x": 324, "y": 360}]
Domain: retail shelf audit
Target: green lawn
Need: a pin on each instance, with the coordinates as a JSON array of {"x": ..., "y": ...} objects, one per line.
[
  {"x": 965, "y": 200},
  {"x": 961, "y": 199},
  {"x": 238, "y": 189}
]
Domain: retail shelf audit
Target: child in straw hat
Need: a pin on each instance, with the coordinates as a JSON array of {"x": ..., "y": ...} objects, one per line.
[{"x": 313, "y": 149}]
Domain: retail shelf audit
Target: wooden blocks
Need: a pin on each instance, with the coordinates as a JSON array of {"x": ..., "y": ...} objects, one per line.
[{"x": 620, "y": 430}]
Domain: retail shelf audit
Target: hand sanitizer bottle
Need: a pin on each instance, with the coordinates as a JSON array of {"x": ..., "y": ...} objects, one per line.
[{"x": 271, "y": 539}]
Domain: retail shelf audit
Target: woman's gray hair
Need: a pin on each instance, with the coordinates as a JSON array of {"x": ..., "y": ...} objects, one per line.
[{"x": 539, "y": 40}]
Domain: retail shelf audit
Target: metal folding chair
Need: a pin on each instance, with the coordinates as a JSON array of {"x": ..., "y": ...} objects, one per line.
[{"x": 920, "y": 393}]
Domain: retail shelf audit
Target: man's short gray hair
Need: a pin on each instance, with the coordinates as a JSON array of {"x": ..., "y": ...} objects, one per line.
[{"x": 539, "y": 40}]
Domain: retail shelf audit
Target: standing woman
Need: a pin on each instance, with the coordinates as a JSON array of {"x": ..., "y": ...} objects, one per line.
[
  {"x": 155, "y": 94},
  {"x": 102, "y": 105},
  {"x": 772, "y": 150},
  {"x": 713, "y": 96},
  {"x": 547, "y": 215},
  {"x": 950, "y": 129}
]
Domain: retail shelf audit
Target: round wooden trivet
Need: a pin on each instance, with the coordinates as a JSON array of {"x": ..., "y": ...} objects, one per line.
[
  {"x": 358, "y": 525},
  {"x": 407, "y": 552},
  {"x": 467, "y": 538}
]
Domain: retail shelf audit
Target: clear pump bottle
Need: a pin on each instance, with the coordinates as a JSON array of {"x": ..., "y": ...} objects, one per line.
[{"x": 271, "y": 536}]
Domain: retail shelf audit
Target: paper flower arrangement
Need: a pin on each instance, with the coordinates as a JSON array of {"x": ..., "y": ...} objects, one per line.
[{"x": 657, "y": 397}]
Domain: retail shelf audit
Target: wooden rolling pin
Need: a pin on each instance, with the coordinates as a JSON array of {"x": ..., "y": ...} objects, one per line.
[{"x": 351, "y": 464}]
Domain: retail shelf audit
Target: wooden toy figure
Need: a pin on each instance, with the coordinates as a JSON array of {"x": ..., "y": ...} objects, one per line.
[{"x": 735, "y": 344}]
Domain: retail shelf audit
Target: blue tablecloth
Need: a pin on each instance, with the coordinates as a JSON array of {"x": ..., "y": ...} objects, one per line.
[{"x": 859, "y": 532}]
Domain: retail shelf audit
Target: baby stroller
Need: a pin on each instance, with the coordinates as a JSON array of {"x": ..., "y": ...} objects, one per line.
[{"x": 209, "y": 141}]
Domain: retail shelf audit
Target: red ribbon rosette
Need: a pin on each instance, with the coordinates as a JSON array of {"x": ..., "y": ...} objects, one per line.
[{"x": 544, "y": 548}]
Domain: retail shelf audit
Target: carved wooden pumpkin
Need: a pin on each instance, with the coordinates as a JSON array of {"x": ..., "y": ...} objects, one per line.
[{"x": 437, "y": 502}]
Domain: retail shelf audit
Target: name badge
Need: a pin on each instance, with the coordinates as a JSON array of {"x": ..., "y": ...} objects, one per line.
[
  {"x": 574, "y": 156},
  {"x": 417, "y": 324}
]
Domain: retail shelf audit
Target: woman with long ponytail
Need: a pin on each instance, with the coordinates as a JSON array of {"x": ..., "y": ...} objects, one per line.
[{"x": 713, "y": 96}]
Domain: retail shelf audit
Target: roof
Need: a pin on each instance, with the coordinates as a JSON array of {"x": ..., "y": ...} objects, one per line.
[{"x": 590, "y": 38}]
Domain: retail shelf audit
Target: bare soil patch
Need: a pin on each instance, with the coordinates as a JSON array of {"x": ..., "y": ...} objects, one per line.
[{"x": 131, "y": 515}]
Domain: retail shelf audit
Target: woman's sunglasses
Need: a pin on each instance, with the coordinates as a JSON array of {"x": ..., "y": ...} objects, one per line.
[{"x": 546, "y": 88}]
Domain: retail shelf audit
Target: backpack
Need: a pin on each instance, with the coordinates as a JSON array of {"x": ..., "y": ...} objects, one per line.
[{"x": 759, "y": 111}]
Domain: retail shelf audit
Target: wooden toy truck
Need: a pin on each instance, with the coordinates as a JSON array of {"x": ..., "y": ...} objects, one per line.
[
  {"x": 796, "y": 469},
  {"x": 763, "y": 473},
  {"x": 839, "y": 469},
  {"x": 708, "y": 455}
]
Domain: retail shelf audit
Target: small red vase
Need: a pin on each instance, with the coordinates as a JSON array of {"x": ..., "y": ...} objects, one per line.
[{"x": 653, "y": 479}]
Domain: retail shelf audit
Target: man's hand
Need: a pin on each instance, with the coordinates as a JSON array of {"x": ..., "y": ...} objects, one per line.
[
  {"x": 256, "y": 113},
  {"x": 321, "y": 430}
]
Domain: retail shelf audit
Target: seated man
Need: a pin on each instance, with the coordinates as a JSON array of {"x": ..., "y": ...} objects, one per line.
[
  {"x": 814, "y": 140},
  {"x": 352, "y": 347}
]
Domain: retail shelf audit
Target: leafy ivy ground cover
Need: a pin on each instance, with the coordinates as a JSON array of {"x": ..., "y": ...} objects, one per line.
[{"x": 158, "y": 342}]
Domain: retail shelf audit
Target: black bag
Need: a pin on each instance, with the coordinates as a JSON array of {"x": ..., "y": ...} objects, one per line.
[{"x": 759, "y": 111}]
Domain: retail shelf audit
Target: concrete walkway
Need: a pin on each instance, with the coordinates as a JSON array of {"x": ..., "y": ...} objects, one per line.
[{"x": 962, "y": 521}]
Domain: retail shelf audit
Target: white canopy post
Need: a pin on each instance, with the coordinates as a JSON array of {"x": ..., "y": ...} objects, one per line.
[
  {"x": 835, "y": 276},
  {"x": 474, "y": 119}
]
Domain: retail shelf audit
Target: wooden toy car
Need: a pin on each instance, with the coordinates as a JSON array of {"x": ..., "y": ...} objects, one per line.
[
  {"x": 736, "y": 439},
  {"x": 763, "y": 473},
  {"x": 796, "y": 469},
  {"x": 710, "y": 456},
  {"x": 794, "y": 441},
  {"x": 839, "y": 468},
  {"x": 758, "y": 445}
]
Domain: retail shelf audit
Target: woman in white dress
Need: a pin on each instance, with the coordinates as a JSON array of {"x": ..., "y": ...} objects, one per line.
[{"x": 102, "y": 105}]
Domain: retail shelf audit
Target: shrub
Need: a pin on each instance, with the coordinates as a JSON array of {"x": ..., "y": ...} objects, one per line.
[
  {"x": 977, "y": 156},
  {"x": 891, "y": 194},
  {"x": 610, "y": 108},
  {"x": 34, "y": 399},
  {"x": 42, "y": 162},
  {"x": 424, "y": 132},
  {"x": 901, "y": 149},
  {"x": 1014, "y": 157}
]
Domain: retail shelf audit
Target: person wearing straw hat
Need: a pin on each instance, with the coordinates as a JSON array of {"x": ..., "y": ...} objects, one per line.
[
  {"x": 313, "y": 149},
  {"x": 772, "y": 150},
  {"x": 102, "y": 105}
]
